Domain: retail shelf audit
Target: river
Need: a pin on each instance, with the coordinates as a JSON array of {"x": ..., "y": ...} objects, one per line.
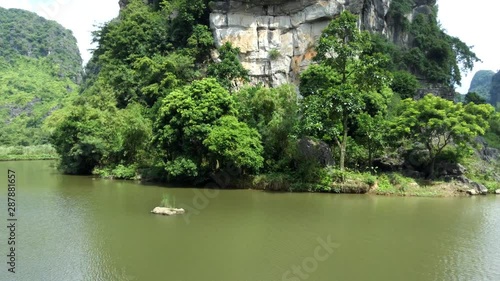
[{"x": 80, "y": 228}]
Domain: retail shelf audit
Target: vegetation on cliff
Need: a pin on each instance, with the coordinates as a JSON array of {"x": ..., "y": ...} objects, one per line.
[
  {"x": 39, "y": 67},
  {"x": 24, "y": 33}
]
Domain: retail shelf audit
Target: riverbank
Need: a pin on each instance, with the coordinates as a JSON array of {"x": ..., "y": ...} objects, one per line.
[
  {"x": 24, "y": 153},
  {"x": 326, "y": 180},
  {"x": 384, "y": 184}
]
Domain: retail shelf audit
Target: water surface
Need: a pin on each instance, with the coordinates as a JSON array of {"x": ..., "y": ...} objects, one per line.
[{"x": 79, "y": 228}]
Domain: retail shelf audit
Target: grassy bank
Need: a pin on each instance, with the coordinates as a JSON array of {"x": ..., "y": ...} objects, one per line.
[
  {"x": 334, "y": 181},
  {"x": 37, "y": 152}
]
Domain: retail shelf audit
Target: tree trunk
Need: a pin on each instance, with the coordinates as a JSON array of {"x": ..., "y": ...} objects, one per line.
[
  {"x": 343, "y": 146},
  {"x": 431, "y": 172}
]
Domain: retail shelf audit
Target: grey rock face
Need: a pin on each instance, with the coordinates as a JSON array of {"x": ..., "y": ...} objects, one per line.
[
  {"x": 292, "y": 28},
  {"x": 451, "y": 169}
]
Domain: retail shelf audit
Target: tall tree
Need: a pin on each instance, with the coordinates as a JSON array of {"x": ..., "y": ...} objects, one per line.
[
  {"x": 437, "y": 123},
  {"x": 347, "y": 81}
]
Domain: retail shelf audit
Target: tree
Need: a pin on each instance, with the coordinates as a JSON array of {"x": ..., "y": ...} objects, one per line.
[
  {"x": 475, "y": 98},
  {"x": 437, "y": 123},
  {"x": 274, "y": 113},
  {"x": 344, "y": 83},
  {"x": 93, "y": 133},
  {"x": 435, "y": 55},
  {"x": 405, "y": 84},
  {"x": 232, "y": 142},
  {"x": 229, "y": 69},
  {"x": 200, "y": 43},
  {"x": 187, "y": 116},
  {"x": 370, "y": 131}
]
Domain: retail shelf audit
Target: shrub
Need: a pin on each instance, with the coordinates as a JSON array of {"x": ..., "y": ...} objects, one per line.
[
  {"x": 273, "y": 182},
  {"x": 167, "y": 201},
  {"x": 274, "y": 54},
  {"x": 118, "y": 172}
]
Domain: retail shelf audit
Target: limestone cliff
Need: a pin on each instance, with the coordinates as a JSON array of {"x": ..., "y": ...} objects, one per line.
[
  {"x": 495, "y": 89},
  {"x": 277, "y": 37}
]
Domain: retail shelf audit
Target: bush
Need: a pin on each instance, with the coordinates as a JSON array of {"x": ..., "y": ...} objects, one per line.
[
  {"x": 384, "y": 184},
  {"x": 181, "y": 167},
  {"x": 38, "y": 152},
  {"x": 118, "y": 172},
  {"x": 167, "y": 201},
  {"x": 273, "y": 182},
  {"x": 274, "y": 54}
]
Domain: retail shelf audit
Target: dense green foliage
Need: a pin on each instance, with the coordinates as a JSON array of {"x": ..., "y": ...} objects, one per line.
[
  {"x": 38, "y": 152},
  {"x": 229, "y": 69},
  {"x": 431, "y": 54},
  {"x": 96, "y": 134},
  {"x": 156, "y": 105},
  {"x": 30, "y": 89},
  {"x": 474, "y": 97},
  {"x": 190, "y": 122},
  {"x": 274, "y": 113},
  {"x": 481, "y": 83},
  {"x": 437, "y": 123},
  {"x": 24, "y": 33}
]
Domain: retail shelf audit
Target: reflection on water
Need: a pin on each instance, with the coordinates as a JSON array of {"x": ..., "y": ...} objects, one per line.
[{"x": 79, "y": 228}]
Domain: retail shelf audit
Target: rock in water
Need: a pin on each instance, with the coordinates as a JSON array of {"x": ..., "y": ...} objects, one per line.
[
  {"x": 497, "y": 191},
  {"x": 168, "y": 211}
]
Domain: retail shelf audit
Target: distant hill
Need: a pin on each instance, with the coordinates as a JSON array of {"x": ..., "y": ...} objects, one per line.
[
  {"x": 495, "y": 89},
  {"x": 481, "y": 83},
  {"x": 40, "y": 66},
  {"x": 27, "y": 34}
]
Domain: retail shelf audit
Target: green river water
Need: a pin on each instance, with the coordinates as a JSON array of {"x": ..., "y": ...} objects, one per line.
[{"x": 79, "y": 228}]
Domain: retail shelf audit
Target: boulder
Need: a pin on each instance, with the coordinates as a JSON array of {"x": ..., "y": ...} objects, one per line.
[
  {"x": 453, "y": 170},
  {"x": 168, "y": 211},
  {"x": 481, "y": 189},
  {"x": 463, "y": 179},
  {"x": 497, "y": 191},
  {"x": 389, "y": 164},
  {"x": 316, "y": 150},
  {"x": 472, "y": 192}
]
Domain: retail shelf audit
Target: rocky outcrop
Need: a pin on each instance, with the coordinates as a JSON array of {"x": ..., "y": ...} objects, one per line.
[
  {"x": 277, "y": 37},
  {"x": 487, "y": 153},
  {"x": 168, "y": 211},
  {"x": 481, "y": 189},
  {"x": 318, "y": 151}
]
